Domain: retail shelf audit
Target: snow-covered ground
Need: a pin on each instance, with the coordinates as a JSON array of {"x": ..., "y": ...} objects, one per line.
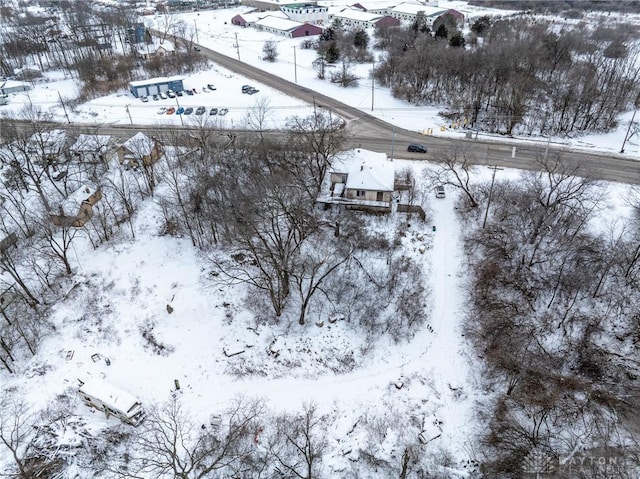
[{"x": 124, "y": 288}]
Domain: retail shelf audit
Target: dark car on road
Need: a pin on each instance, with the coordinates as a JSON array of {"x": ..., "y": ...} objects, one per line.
[
  {"x": 213, "y": 111},
  {"x": 188, "y": 111},
  {"x": 200, "y": 110},
  {"x": 180, "y": 111},
  {"x": 417, "y": 148}
]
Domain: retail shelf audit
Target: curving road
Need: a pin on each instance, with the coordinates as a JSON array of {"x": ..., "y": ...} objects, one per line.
[{"x": 369, "y": 132}]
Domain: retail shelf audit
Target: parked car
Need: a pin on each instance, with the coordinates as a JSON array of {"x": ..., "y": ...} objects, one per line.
[
  {"x": 171, "y": 111},
  {"x": 246, "y": 88},
  {"x": 440, "y": 191},
  {"x": 223, "y": 111},
  {"x": 162, "y": 95},
  {"x": 171, "y": 94},
  {"x": 417, "y": 148},
  {"x": 162, "y": 110},
  {"x": 156, "y": 97},
  {"x": 144, "y": 99},
  {"x": 205, "y": 89},
  {"x": 179, "y": 93},
  {"x": 211, "y": 87},
  {"x": 188, "y": 111},
  {"x": 213, "y": 111},
  {"x": 196, "y": 48},
  {"x": 188, "y": 92},
  {"x": 200, "y": 110},
  {"x": 252, "y": 91},
  {"x": 195, "y": 90},
  {"x": 180, "y": 111}
]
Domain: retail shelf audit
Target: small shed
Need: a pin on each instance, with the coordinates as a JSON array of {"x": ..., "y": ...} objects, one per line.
[{"x": 153, "y": 86}]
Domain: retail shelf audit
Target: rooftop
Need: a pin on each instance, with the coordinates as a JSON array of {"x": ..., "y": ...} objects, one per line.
[
  {"x": 367, "y": 170},
  {"x": 282, "y": 24}
]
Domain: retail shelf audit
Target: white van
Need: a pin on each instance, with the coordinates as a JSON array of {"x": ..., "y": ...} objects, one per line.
[
  {"x": 111, "y": 400},
  {"x": 440, "y": 191}
]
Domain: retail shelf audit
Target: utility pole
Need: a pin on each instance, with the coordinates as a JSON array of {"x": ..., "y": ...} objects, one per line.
[
  {"x": 196, "y": 25},
  {"x": 493, "y": 179},
  {"x": 178, "y": 103},
  {"x": 626, "y": 137},
  {"x": 129, "y": 113},
  {"x": 64, "y": 108},
  {"x": 295, "y": 65},
  {"x": 393, "y": 141},
  {"x": 237, "y": 47},
  {"x": 373, "y": 81}
]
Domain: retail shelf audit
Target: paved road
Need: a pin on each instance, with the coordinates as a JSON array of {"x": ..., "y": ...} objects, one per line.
[
  {"x": 375, "y": 134},
  {"x": 369, "y": 132}
]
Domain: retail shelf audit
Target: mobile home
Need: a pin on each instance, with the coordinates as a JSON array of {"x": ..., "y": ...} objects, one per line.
[{"x": 112, "y": 401}]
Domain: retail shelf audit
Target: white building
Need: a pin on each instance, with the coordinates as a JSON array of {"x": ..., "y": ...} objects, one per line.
[
  {"x": 306, "y": 13},
  {"x": 407, "y": 12},
  {"x": 350, "y": 17}
]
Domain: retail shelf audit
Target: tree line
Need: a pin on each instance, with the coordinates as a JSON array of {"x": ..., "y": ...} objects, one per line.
[
  {"x": 518, "y": 74},
  {"x": 552, "y": 318}
]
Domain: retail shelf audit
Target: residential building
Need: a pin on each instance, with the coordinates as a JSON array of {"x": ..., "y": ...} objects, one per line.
[
  {"x": 139, "y": 150},
  {"x": 249, "y": 19},
  {"x": 408, "y": 12},
  {"x": 364, "y": 181},
  {"x": 80, "y": 206},
  {"x": 92, "y": 148}
]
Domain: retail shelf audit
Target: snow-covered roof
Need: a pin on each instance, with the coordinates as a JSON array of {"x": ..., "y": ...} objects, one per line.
[
  {"x": 150, "y": 48},
  {"x": 18, "y": 71},
  {"x": 91, "y": 143},
  {"x": 282, "y": 24},
  {"x": 414, "y": 8},
  {"x": 152, "y": 81},
  {"x": 110, "y": 395},
  {"x": 367, "y": 170},
  {"x": 72, "y": 202},
  {"x": 357, "y": 15},
  {"x": 48, "y": 141},
  {"x": 373, "y": 5},
  {"x": 13, "y": 84},
  {"x": 253, "y": 17},
  {"x": 139, "y": 144}
]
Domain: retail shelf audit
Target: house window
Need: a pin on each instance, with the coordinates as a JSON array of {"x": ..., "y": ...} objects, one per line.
[
  {"x": 359, "y": 193},
  {"x": 379, "y": 196}
]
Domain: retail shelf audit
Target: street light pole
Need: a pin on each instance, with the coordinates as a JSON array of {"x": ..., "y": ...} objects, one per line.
[
  {"x": 373, "y": 80},
  {"x": 237, "y": 47}
]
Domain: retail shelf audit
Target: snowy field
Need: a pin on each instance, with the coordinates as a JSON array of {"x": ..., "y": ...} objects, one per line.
[{"x": 214, "y": 346}]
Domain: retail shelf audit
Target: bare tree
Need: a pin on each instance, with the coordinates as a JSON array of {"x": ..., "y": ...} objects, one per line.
[
  {"x": 455, "y": 170},
  {"x": 300, "y": 443},
  {"x": 169, "y": 442},
  {"x": 270, "y": 51}
]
